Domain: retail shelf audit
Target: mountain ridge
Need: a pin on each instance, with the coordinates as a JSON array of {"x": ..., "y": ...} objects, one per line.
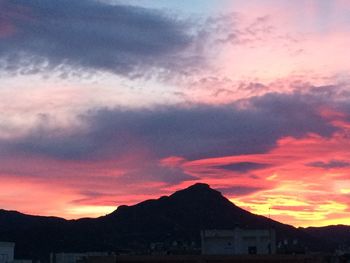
[{"x": 179, "y": 216}]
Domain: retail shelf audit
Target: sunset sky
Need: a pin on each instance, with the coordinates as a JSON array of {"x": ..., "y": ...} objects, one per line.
[{"x": 109, "y": 102}]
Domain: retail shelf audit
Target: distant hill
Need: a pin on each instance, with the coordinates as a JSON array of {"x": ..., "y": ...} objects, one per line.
[
  {"x": 179, "y": 216},
  {"x": 339, "y": 234}
]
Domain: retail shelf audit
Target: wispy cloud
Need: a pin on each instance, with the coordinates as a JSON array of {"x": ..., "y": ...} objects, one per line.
[{"x": 330, "y": 164}]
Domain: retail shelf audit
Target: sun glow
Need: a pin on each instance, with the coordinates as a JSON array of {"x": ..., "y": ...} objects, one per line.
[{"x": 88, "y": 211}]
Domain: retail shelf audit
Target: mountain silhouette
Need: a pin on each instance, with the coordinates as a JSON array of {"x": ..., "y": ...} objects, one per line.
[
  {"x": 336, "y": 234},
  {"x": 192, "y": 209},
  {"x": 178, "y": 217}
]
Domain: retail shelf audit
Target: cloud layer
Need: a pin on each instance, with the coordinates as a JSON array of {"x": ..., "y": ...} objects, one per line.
[
  {"x": 190, "y": 131},
  {"x": 41, "y": 36}
]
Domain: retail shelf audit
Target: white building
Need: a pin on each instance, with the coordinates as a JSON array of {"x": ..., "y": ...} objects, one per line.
[
  {"x": 238, "y": 242},
  {"x": 6, "y": 252}
]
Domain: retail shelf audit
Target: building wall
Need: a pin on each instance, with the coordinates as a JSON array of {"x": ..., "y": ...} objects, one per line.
[
  {"x": 238, "y": 241},
  {"x": 218, "y": 242},
  {"x": 263, "y": 240},
  {"x": 6, "y": 252},
  {"x": 219, "y": 246}
]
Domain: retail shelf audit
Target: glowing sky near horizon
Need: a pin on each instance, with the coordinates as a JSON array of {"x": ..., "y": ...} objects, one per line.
[{"x": 104, "y": 103}]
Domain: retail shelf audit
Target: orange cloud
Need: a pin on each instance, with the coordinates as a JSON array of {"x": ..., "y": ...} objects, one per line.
[{"x": 290, "y": 186}]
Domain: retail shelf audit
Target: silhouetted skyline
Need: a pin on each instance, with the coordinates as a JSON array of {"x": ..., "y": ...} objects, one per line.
[{"x": 105, "y": 103}]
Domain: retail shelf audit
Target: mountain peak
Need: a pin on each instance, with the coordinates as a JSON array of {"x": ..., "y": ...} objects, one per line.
[
  {"x": 194, "y": 193},
  {"x": 199, "y": 187},
  {"x": 198, "y": 193}
]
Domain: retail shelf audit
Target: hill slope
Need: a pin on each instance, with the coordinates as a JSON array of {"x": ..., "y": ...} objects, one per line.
[{"x": 179, "y": 216}]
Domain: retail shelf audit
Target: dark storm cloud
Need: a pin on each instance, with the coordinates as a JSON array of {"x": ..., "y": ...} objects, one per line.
[
  {"x": 190, "y": 131},
  {"x": 332, "y": 164},
  {"x": 243, "y": 167},
  {"x": 65, "y": 35}
]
